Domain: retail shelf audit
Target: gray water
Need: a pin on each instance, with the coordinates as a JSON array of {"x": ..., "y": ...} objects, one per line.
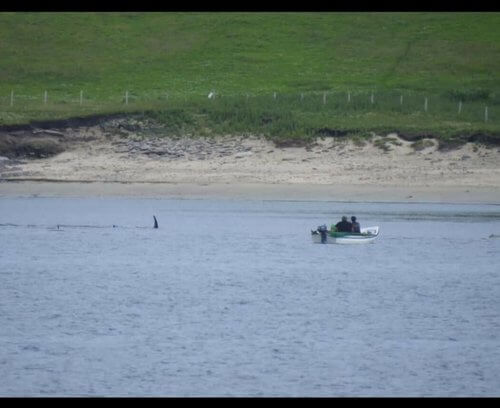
[{"x": 231, "y": 298}]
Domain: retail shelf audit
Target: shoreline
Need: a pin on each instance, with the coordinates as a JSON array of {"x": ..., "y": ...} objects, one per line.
[
  {"x": 107, "y": 161},
  {"x": 251, "y": 191}
]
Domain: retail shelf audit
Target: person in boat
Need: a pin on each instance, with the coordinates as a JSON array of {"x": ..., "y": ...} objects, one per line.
[
  {"x": 344, "y": 225},
  {"x": 355, "y": 225}
]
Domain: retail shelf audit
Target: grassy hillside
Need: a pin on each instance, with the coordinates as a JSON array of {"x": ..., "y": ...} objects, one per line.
[{"x": 169, "y": 62}]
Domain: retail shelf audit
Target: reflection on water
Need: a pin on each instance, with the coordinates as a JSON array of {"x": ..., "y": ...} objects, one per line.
[{"x": 232, "y": 298}]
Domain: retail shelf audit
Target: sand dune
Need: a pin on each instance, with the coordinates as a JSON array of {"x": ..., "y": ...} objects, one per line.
[{"x": 330, "y": 169}]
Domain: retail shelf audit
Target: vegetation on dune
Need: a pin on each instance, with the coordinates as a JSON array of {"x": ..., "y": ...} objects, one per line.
[
  {"x": 288, "y": 76},
  {"x": 30, "y": 147}
]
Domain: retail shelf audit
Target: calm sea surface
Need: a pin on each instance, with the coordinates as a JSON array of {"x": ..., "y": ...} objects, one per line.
[{"x": 232, "y": 298}]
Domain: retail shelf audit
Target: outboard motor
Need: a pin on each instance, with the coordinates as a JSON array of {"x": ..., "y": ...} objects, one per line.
[{"x": 322, "y": 230}]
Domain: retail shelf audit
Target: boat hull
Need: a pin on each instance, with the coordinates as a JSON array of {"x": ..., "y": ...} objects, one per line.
[{"x": 366, "y": 236}]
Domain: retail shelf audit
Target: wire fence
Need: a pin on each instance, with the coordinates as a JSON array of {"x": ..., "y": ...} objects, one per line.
[{"x": 446, "y": 107}]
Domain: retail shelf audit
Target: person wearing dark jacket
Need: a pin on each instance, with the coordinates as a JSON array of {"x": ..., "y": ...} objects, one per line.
[
  {"x": 355, "y": 225},
  {"x": 344, "y": 225}
]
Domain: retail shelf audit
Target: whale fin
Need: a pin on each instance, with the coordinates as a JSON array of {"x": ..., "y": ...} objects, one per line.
[{"x": 156, "y": 222}]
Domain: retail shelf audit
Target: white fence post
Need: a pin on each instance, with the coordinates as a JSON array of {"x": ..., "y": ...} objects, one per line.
[
  {"x": 459, "y": 107},
  {"x": 301, "y": 96},
  {"x": 486, "y": 114},
  {"x": 372, "y": 98},
  {"x": 12, "y": 98},
  {"x": 126, "y": 97},
  {"x": 81, "y": 97},
  {"x": 348, "y": 96},
  {"x": 425, "y": 104},
  {"x": 275, "y": 95},
  {"x": 401, "y": 100},
  {"x": 324, "y": 98},
  {"x": 45, "y": 98}
]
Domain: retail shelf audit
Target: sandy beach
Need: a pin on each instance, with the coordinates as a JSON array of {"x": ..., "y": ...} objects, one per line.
[{"x": 109, "y": 161}]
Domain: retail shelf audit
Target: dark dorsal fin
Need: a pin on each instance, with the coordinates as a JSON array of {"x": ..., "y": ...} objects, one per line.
[{"x": 156, "y": 222}]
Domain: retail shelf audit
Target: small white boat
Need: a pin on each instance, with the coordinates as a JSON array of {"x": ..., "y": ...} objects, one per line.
[{"x": 366, "y": 235}]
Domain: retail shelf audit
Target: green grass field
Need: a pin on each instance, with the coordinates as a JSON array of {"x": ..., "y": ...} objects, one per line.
[{"x": 169, "y": 62}]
